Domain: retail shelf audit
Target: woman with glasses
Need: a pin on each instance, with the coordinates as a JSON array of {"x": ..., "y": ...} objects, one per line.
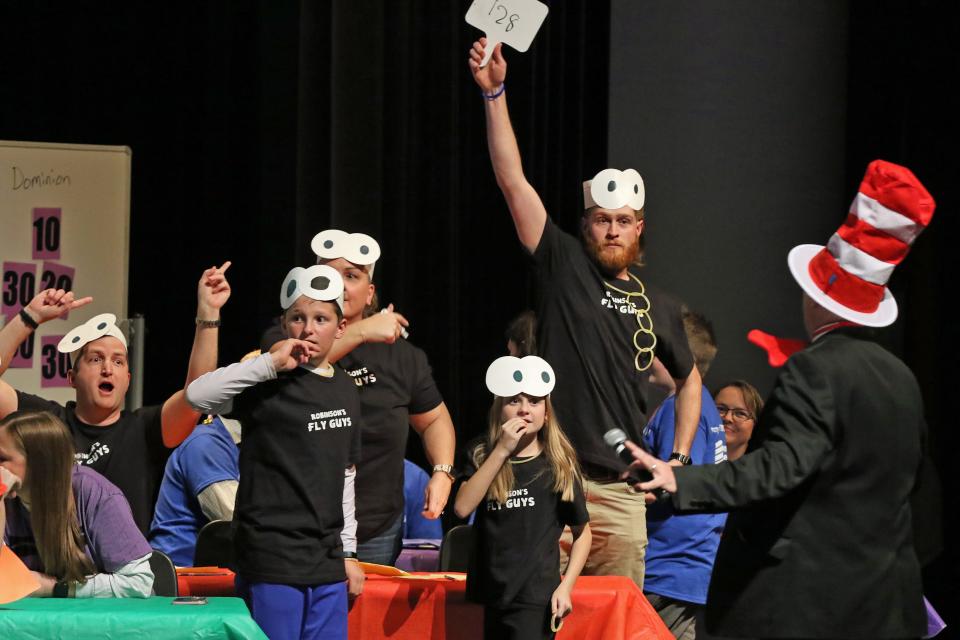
[{"x": 738, "y": 403}]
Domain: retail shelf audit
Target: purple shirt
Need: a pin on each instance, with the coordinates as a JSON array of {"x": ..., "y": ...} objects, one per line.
[{"x": 113, "y": 539}]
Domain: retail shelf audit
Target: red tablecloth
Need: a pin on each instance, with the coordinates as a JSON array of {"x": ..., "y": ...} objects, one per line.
[
  {"x": 604, "y": 607},
  {"x": 205, "y": 581}
]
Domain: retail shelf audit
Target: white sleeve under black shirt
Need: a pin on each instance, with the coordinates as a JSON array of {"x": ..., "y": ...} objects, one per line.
[
  {"x": 586, "y": 332},
  {"x": 300, "y": 431},
  {"x": 129, "y": 453}
]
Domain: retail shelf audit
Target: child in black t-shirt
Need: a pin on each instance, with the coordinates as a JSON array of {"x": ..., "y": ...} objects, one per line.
[
  {"x": 528, "y": 478},
  {"x": 301, "y": 431}
]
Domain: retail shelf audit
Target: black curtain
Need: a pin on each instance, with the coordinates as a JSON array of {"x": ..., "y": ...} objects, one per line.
[
  {"x": 392, "y": 143},
  {"x": 205, "y": 95},
  {"x": 256, "y": 124}
]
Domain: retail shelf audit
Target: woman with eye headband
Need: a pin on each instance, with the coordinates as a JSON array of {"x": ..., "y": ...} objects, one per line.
[
  {"x": 396, "y": 390},
  {"x": 527, "y": 475}
]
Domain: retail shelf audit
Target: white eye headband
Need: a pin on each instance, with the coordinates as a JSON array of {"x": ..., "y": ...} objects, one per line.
[
  {"x": 508, "y": 376},
  {"x": 95, "y": 328},
  {"x": 318, "y": 282},
  {"x": 358, "y": 248},
  {"x": 612, "y": 189}
]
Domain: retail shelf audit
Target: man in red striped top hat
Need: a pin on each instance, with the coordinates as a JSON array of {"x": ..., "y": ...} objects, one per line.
[{"x": 819, "y": 542}]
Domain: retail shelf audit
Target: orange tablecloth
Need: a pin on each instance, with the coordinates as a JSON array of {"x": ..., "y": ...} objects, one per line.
[{"x": 604, "y": 607}]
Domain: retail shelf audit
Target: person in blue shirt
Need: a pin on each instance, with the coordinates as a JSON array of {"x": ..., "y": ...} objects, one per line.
[
  {"x": 199, "y": 485},
  {"x": 415, "y": 481},
  {"x": 681, "y": 548}
]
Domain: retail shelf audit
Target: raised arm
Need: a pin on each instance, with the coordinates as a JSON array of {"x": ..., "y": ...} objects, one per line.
[
  {"x": 526, "y": 208},
  {"x": 47, "y": 305},
  {"x": 178, "y": 417},
  {"x": 386, "y": 327}
]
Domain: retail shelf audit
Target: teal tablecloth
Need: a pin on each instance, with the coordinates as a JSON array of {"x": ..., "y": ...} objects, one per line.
[{"x": 114, "y": 618}]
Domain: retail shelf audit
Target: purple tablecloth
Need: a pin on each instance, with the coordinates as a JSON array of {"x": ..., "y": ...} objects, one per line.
[{"x": 420, "y": 555}]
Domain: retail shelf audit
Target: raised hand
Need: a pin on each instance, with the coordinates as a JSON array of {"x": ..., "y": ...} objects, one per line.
[
  {"x": 292, "y": 352},
  {"x": 386, "y": 326},
  {"x": 510, "y": 434},
  {"x": 213, "y": 291},
  {"x": 51, "y": 304},
  {"x": 490, "y": 77}
]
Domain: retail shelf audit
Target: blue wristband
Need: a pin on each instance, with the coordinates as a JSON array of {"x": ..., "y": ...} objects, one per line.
[{"x": 495, "y": 95}]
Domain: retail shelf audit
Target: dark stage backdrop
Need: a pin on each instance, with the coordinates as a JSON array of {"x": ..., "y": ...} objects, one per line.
[
  {"x": 255, "y": 124},
  {"x": 752, "y": 123},
  {"x": 734, "y": 114}
]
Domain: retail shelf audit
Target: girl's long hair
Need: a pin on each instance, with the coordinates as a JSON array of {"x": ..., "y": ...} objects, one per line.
[
  {"x": 48, "y": 447},
  {"x": 560, "y": 455}
]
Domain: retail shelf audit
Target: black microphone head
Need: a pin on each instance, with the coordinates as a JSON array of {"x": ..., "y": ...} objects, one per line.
[{"x": 615, "y": 437}]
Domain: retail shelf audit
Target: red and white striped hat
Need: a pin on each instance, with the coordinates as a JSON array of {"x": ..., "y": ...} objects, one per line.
[{"x": 849, "y": 275}]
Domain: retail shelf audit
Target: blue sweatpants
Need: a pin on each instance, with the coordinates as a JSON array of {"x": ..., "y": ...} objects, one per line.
[{"x": 287, "y": 612}]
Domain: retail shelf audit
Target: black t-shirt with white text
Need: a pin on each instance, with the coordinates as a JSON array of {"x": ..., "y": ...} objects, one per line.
[
  {"x": 300, "y": 431},
  {"x": 395, "y": 382},
  {"x": 129, "y": 453},
  {"x": 516, "y": 554},
  {"x": 589, "y": 331}
]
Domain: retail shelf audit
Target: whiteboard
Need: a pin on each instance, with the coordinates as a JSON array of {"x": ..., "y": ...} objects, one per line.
[{"x": 65, "y": 217}]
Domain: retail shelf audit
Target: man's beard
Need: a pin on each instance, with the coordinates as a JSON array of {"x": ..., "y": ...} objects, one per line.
[{"x": 610, "y": 262}]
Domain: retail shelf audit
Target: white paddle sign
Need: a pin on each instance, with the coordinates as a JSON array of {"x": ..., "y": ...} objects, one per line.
[{"x": 513, "y": 22}]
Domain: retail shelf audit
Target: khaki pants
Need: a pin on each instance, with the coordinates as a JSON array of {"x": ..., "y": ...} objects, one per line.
[{"x": 618, "y": 522}]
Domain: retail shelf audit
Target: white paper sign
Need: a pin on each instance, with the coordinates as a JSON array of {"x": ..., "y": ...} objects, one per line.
[{"x": 513, "y": 22}]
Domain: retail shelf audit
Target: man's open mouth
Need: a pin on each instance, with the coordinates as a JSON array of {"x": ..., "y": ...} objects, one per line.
[{"x": 106, "y": 386}]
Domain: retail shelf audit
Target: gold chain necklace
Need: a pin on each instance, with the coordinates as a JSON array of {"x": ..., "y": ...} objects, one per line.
[{"x": 644, "y": 358}]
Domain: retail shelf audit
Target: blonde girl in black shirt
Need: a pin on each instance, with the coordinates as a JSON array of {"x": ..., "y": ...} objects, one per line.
[{"x": 526, "y": 488}]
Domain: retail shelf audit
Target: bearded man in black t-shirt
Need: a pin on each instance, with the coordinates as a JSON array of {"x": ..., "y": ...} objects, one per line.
[
  {"x": 129, "y": 448},
  {"x": 600, "y": 326}
]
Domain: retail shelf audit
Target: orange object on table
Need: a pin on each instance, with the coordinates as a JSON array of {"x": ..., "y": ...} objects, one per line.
[
  {"x": 435, "y": 608},
  {"x": 205, "y": 581},
  {"x": 16, "y": 581}
]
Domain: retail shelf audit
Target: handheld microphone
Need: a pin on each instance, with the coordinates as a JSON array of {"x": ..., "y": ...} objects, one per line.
[{"x": 615, "y": 439}]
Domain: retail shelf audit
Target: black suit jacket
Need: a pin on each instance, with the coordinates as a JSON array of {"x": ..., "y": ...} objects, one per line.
[{"x": 820, "y": 543}]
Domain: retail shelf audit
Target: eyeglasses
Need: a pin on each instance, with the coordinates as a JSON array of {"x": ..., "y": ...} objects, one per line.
[{"x": 740, "y": 415}]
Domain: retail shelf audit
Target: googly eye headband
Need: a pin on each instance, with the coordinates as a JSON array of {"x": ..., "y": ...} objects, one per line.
[
  {"x": 95, "y": 328},
  {"x": 358, "y": 248},
  {"x": 612, "y": 189},
  {"x": 318, "y": 282},
  {"x": 508, "y": 376}
]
